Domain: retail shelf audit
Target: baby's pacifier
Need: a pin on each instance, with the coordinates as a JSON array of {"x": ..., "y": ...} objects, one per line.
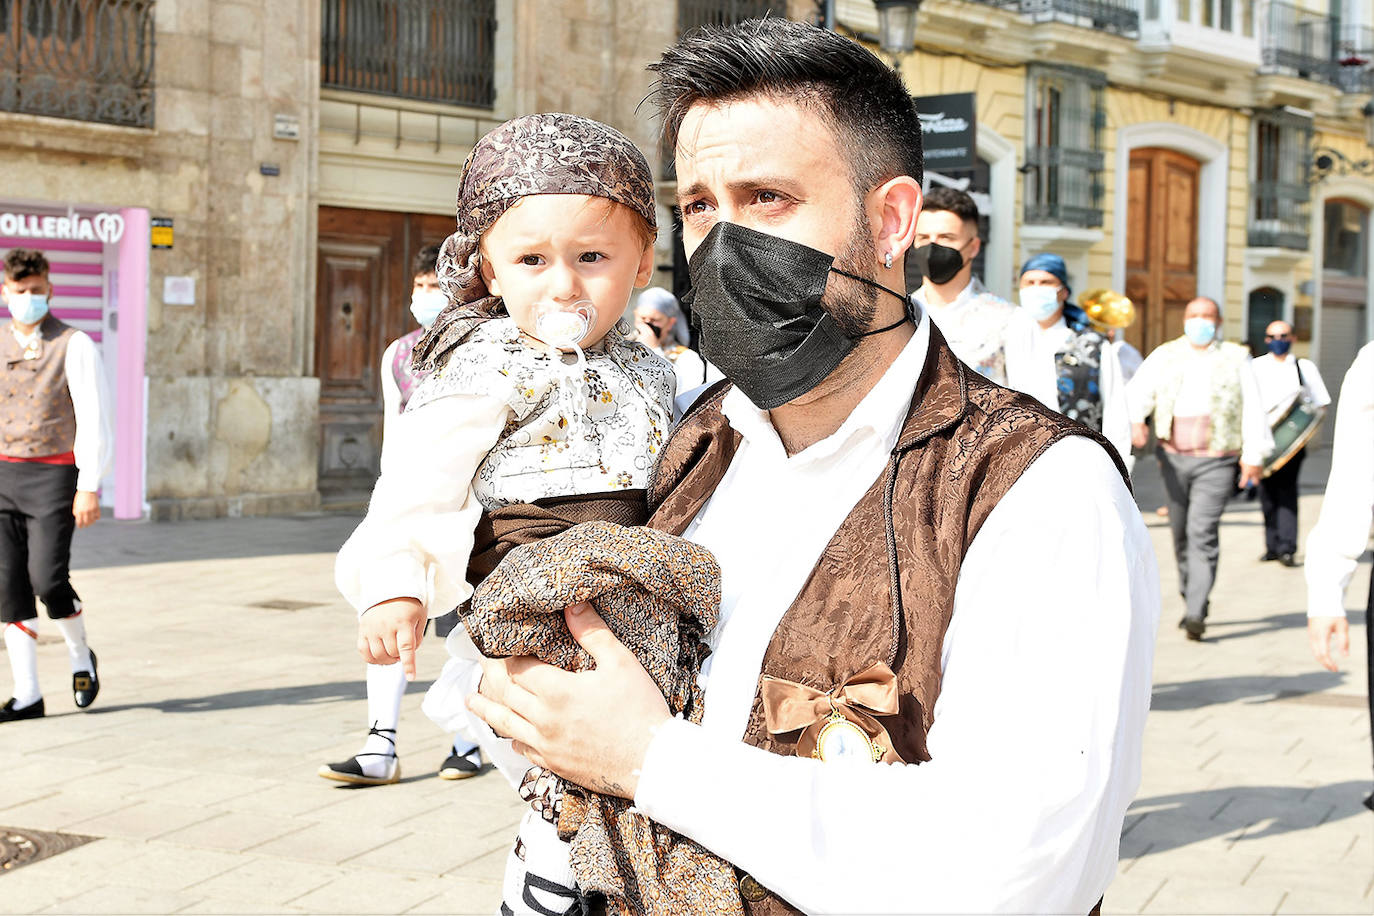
[{"x": 564, "y": 327}]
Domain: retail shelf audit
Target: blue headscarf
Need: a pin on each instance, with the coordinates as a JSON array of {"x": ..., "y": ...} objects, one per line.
[{"x": 1074, "y": 316}]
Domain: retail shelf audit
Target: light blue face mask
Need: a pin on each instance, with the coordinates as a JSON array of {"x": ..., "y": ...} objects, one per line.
[
  {"x": 426, "y": 304},
  {"x": 1200, "y": 331},
  {"x": 27, "y": 308},
  {"x": 1040, "y": 302}
]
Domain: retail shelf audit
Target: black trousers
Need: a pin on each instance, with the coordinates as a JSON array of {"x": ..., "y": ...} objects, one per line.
[
  {"x": 1279, "y": 500},
  {"x": 36, "y": 525}
]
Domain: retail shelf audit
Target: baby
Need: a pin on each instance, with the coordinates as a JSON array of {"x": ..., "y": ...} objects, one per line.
[{"x": 539, "y": 413}]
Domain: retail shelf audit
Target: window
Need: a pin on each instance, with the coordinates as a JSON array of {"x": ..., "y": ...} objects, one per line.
[
  {"x": 1299, "y": 42},
  {"x": 694, "y": 13},
  {"x": 1064, "y": 116},
  {"x": 88, "y": 60},
  {"x": 431, "y": 50},
  {"x": 1280, "y": 203},
  {"x": 1345, "y": 243},
  {"x": 1266, "y": 307}
]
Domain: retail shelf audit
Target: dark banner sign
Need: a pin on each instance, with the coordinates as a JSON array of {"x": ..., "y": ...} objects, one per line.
[{"x": 948, "y": 130}]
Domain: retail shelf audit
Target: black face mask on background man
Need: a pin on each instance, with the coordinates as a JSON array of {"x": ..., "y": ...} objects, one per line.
[
  {"x": 939, "y": 263},
  {"x": 756, "y": 299}
]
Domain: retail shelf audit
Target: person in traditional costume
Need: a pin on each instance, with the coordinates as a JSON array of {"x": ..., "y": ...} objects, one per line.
[
  {"x": 1062, "y": 361},
  {"x": 661, "y": 326},
  {"x": 918, "y": 567},
  {"x": 976, "y": 323},
  {"x": 378, "y": 763},
  {"x": 1209, "y": 422},
  {"x": 1341, "y": 535},
  {"x": 536, "y": 413},
  {"x": 56, "y": 444},
  {"x": 1283, "y": 378}
]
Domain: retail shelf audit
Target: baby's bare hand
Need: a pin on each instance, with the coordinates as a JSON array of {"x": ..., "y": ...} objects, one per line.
[{"x": 390, "y": 632}]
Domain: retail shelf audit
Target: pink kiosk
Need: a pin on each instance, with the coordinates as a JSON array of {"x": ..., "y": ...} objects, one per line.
[{"x": 100, "y": 284}]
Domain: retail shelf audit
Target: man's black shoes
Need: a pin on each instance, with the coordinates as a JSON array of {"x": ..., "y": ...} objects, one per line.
[
  {"x": 86, "y": 684},
  {"x": 1268, "y": 556},
  {"x": 1286, "y": 559},
  {"x": 33, "y": 711},
  {"x": 1194, "y": 627}
]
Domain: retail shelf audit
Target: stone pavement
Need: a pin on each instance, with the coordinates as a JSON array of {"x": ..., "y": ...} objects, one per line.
[{"x": 229, "y": 675}]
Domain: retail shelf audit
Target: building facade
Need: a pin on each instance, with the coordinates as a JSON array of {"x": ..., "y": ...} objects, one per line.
[{"x": 232, "y": 191}]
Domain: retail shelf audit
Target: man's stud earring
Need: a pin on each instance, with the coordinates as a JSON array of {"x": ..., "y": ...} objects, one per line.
[{"x": 887, "y": 260}]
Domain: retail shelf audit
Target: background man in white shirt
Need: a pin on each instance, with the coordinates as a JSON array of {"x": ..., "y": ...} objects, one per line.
[
  {"x": 56, "y": 444},
  {"x": 1207, "y": 417},
  {"x": 1033, "y": 746},
  {"x": 974, "y": 321},
  {"x": 1283, "y": 377},
  {"x": 1059, "y": 359},
  {"x": 1341, "y": 534}
]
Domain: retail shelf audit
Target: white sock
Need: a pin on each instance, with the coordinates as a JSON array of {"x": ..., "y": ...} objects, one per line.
[
  {"x": 21, "y": 643},
  {"x": 386, "y": 684},
  {"x": 74, "y": 632},
  {"x": 465, "y": 748},
  {"x": 539, "y": 864}
]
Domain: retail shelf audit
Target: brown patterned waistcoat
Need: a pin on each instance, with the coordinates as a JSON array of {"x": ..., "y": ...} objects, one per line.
[
  {"x": 883, "y": 589},
  {"x": 37, "y": 418}
]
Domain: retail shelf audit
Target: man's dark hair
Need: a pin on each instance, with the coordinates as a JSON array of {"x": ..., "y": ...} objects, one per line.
[
  {"x": 22, "y": 263},
  {"x": 951, "y": 201},
  {"x": 426, "y": 261},
  {"x": 863, "y": 99}
]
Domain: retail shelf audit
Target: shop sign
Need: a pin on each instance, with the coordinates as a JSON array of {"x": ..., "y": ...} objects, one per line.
[
  {"x": 949, "y": 131},
  {"x": 161, "y": 232},
  {"x": 102, "y": 227}
]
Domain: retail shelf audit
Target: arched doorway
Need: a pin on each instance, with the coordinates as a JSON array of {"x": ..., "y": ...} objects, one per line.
[
  {"x": 1161, "y": 251},
  {"x": 1266, "y": 305}
]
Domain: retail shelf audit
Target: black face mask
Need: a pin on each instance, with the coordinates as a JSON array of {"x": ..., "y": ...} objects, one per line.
[
  {"x": 756, "y": 299},
  {"x": 939, "y": 263}
]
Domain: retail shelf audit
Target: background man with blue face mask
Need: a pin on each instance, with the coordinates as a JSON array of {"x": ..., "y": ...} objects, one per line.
[
  {"x": 1282, "y": 376},
  {"x": 377, "y": 764},
  {"x": 56, "y": 444},
  {"x": 1207, "y": 417},
  {"x": 1058, "y": 358}
]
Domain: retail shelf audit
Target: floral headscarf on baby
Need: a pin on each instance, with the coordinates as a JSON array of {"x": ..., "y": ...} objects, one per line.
[{"x": 537, "y": 154}]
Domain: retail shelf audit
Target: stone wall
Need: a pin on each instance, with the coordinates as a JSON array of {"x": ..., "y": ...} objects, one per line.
[{"x": 225, "y": 69}]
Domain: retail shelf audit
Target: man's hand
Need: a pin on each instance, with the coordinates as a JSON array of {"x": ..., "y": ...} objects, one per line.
[
  {"x": 1140, "y": 434},
  {"x": 390, "y": 632},
  {"x": 86, "y": 508},
  {"x": 590, "y": 727},
  {"x": 1319, "y": 633},
  {"x": 1249, "y": 475}
]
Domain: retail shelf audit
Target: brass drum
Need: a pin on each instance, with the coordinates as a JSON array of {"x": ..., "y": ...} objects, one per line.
[{"x": 1296, "y": 426}]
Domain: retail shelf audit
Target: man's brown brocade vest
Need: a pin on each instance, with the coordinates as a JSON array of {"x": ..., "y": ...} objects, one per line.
[
  {"x": 883, "y": 589},
  {"x": 37, "y": 418}
]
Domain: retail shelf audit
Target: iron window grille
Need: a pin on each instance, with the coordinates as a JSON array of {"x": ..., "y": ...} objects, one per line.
[
  {"x": 692, "y": 14},
  {"x": 1299, "y": 42},
  {"x": 1281, "y": 197},
  {"x": 1065, "y": 115},
  {"x": 429, "y": 50},
  {"x": 86, "y": 60}
]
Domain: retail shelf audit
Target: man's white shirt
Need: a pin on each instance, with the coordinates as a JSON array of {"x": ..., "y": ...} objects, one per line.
[
  {"x": 1033, "y": 370},
  {"x": 1278, "y": 382},
  {"x": 1341, "y": 534},
  {"x": 1037, "y": 731}
]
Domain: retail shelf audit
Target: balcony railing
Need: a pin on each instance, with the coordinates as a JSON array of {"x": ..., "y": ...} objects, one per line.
[
  {"x": 1064, "y": 186},
  {"x": 1120, "y": 17},
  {"x": 431, "y": 50},
  {"x": 1298, "y": 42},
  {"x": 694, "y": 13},
  {"x": 1280, "y": 195},
  {"x": 87, "y": 60}
]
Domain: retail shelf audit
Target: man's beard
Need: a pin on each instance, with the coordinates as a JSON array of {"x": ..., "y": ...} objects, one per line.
[{"x": 853, "y": 304}]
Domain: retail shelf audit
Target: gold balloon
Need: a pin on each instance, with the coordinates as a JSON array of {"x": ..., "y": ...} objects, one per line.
[{"x": 1107, "y": 309}]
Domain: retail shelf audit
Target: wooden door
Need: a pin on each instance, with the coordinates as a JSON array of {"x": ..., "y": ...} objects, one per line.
[
  {"x": 362, "y": 304},
  {"x": 1161, "y": 243}
]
